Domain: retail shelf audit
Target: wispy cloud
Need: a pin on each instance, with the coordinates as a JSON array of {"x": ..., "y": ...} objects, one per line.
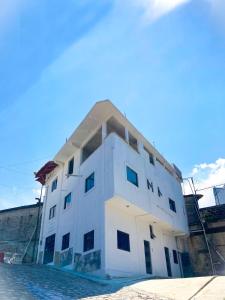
[
  {"x": 37, "y": 192},
  {"x": 154, "y": 9},
  {"x": 218, "y": 11},
  {"x": 207, "y": 175}
]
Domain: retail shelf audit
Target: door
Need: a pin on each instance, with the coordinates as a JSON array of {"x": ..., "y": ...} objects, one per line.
[
  {"x": 168, "y": 264},
  {"x": 49, "y": 249},
  {"x": 148, "y": 261}
]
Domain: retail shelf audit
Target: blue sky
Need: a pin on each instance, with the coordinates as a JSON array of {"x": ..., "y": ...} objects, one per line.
[{"x": 161, "y": 62}]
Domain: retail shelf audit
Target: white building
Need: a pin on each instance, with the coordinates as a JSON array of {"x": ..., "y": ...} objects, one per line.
[{"x": 113, "y": 205}]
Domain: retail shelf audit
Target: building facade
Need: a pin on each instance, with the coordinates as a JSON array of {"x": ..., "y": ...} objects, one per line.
[
  {"x": 17, "y": 232},
  {"x": 206, "y": 251},
  {"x": 219, "y": 195},
  {"x": 113, "y": 204}
]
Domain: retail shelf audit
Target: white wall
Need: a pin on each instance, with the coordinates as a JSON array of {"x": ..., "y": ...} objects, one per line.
[
  {"x": 123, "y": 263},
  {"x": 87, "y": 211},
  {"x": 140, "y": 196}
]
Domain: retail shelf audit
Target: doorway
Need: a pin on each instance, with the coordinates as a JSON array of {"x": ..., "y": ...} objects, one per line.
[
  {"x": 148, "y": 261},
  {"x": 49, "y": 249},
  {"x": 168, "y": 263}
]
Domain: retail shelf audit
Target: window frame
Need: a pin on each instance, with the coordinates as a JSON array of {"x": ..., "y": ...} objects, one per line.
[
  {"x": 65, "y": 205},
  {"x": 150, "y": 156},
  {"x": 67, "y": 241},
  {"x": 136, "y": 182},
  {"x": 133, "y": 142},
  {"x": 121, "y": 245},
  {"x": 175, "y": 257},
  {"x": 89, "y": 244},
  {"x": 52, "y": 211},
  {"x": 70, "y": 166},
  {"x": 54, "y": 184},
  {"x": 88, "y": 188},
  {"x": 172, "y": 205}
]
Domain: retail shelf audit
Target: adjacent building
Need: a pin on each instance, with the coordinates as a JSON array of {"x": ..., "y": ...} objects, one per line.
[
  {"x": 113, "y": 204},
  {"x": 206, "y": 244},
  {"x": 219, "y": 195},
  {"x": 19, "y": 232}
]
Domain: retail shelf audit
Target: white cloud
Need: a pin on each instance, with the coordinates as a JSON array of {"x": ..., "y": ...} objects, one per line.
[
  {"x": 36, "y": 192},
  {"x": 207, "y": 175},
  {"x": 154, "y": 9}
]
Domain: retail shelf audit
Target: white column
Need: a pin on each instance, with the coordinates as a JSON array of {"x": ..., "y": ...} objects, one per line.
[
  {"x": 126, "y": 135},
  {"x": 140, "y": 147},
  {"x": 104, "y": 131}
]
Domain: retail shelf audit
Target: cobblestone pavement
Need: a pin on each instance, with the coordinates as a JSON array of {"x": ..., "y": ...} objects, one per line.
[{"x": 40, "y": 282}]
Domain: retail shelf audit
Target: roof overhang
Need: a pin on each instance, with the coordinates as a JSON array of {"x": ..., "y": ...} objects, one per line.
[
  {"x": 196, "y": 196},
  {"x": 99, "y": 114},
  {"x": 41, "y": 175}
]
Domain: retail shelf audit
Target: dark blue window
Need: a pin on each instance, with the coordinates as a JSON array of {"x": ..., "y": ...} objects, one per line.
[
  {"x": 172, "y": 205},
  {"x": 132, "y": 176},
  {"x": 70, "y": 166},
  {"x": 175, "y": 258},
  {"x": 151, "y": 159},
  {"x": 54, "y": 184},
  {"x": 123, "y": 241},
  {"x": 52, "y": 212},
  {"x": 65, "y": 241},
  {"x": 88, "y": 241},
  {"x": 89, "y": 182},
  {"x": 67, "y": 200}
]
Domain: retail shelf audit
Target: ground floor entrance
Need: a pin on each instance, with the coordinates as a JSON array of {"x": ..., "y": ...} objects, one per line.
[{"x": 49, "y": 249}]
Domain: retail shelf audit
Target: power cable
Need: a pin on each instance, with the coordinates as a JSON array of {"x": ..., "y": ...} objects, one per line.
[
  {"x": 210, "y": 187},
  {"x": 24, "y": 162}
]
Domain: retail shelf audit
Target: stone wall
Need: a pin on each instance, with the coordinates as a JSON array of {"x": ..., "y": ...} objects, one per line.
[
  {"x": 88, "y": 262},
  {"x": 63, "y": 258},
  {"x": 17, "y": 227},
  {"x": 214, "y": 223}
]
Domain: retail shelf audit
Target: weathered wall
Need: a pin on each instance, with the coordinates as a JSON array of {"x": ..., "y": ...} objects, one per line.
[
  {"x": 214, "y": 223},
  {"x": 17, "y": 226}
]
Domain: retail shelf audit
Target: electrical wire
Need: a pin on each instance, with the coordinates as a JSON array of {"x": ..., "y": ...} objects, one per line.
[
  {"x": 15, "y": 170},
  {"x": 24, "y": 162},
  {"x": 210, "y": 187}
]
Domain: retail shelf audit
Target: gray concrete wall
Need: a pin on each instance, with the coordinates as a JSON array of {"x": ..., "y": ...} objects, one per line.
[{"x": 17, "y": 226}]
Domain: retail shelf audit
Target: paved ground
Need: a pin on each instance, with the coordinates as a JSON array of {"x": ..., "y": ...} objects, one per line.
[
  {"x": 196, "y": 288},
  {"x": 38, "y": 282}
]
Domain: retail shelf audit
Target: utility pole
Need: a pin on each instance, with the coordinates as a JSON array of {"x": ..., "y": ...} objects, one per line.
[{"x": 37, "y": 225}]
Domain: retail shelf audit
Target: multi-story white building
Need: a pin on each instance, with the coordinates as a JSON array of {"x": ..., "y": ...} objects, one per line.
[{"x": 113, "y": 204}]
